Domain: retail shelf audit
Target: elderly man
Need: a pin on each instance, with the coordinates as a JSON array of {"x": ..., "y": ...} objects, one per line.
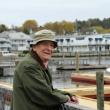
[{"x": 32, "y": 86}]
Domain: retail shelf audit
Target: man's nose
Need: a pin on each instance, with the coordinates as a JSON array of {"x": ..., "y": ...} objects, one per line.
[{"x": 50, "y": 47}]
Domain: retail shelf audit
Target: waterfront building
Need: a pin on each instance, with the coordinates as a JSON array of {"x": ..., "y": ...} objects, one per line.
[
  {"x": 14, "y": 41},
  {"x": 83, "y": 43},
  {"x": 5, "y": 45},
  {"x": 18, "y": 41}
]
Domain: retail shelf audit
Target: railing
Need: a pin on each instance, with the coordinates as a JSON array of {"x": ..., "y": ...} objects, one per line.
[
  {"x": 10, "y": 64},
  {"x": 6, "y": 97}
]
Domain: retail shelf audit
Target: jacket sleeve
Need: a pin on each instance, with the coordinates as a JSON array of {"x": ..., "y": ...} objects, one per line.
[
  {"x": 64, "y": 92},
  {"x": 37, "y": 89}
]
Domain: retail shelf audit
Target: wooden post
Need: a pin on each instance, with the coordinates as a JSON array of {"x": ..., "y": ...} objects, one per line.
[
  {"x": 100, "y": 90},
  {"x": 99, "y": 57},
  {"x": 77, "y": 65},
  {"x": 77, "y": 62}
]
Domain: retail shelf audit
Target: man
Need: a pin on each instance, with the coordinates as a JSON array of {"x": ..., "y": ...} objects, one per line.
[{"x": 32, "y": 87}]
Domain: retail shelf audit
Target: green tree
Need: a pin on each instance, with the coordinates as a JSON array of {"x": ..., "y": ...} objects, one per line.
[
  {"x": 95, "y": 22},
  {"x": 106, "y": 23},
  {"x": 3, "y": 28}
]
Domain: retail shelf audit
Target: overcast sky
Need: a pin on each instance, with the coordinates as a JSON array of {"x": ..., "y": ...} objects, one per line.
[{"x": 15, "y": 12}]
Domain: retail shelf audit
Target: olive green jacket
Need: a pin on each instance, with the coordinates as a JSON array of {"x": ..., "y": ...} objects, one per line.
[{"x": 32, "y": 87}]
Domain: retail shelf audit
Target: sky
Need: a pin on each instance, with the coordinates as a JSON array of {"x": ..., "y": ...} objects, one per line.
[{"x": 16, "y": 12}]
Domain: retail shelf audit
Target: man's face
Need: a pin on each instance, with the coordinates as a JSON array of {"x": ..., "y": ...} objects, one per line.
[{"x": 44, "y": 50}]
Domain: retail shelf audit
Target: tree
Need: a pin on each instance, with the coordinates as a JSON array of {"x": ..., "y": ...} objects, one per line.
[
  {"x": 106, "y": 23},
  {"x": 99, "y": 29},
  {"x": 95, "y": 22},
  {"x": 29, "y": 26},
  {"x": 49, "y": 25},
  {"x": 63, "y": 27},
  {"x": 3, "y": 28},
  {"x": 68, "y": 27}
]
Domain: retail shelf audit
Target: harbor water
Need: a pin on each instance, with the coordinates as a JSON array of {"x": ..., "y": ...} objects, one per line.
[{"x": 61, "y": 78}]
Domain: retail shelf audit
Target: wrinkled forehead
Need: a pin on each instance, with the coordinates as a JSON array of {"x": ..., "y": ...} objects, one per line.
[{"x": 46, "y": 42}]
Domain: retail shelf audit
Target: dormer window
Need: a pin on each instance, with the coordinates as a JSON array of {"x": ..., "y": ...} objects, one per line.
[
  {"x": 61, "y": 40},
  {"x": 68, "y": 40},
  {"x": 90, "y": 39}
]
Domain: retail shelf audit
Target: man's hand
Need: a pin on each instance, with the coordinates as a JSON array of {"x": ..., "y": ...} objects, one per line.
[{"x": 74, "y": 99}]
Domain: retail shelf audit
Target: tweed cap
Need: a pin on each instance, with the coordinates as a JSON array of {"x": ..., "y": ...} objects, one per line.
[{"x": 44, "y": 35}]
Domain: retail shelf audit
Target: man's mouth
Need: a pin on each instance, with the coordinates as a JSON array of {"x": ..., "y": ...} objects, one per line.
[{"x": 47, "y": 52}]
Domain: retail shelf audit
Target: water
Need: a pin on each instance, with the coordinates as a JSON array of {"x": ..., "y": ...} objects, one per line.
[
  {"x": 61, "y": 78},
  {"x": 7, "y": 79}
]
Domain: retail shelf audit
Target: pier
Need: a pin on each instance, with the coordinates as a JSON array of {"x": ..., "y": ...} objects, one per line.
[
  {"x": 81, "y": 67},
  {"x": 82, "y": 54},
  {"x": 7, "y": 68},
  {"x": 7, "y": 65}
]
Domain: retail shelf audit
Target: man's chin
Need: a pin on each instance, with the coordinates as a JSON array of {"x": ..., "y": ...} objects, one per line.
[{"x": 47, "y": 59}]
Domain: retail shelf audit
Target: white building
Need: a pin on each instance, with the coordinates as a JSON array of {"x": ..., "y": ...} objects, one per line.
[
  {"x": 14, "y": 41},
  {"x": 18, "y": 41},
  {"x": 71, "y": 43},
  {"x": 5, "y": 44}
]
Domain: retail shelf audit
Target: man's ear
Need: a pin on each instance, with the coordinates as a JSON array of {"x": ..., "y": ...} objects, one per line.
[{"x": 34, "y": 47}]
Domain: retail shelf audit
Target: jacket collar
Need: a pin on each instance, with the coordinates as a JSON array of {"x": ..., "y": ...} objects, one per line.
[{"x": 37, "y": 58}]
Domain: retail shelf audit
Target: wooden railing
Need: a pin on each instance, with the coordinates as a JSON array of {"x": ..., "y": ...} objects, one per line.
[{"x": 6, "y": 97}]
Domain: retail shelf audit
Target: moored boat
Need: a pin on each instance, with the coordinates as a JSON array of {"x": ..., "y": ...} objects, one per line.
[{"x": 88, "y": 78}]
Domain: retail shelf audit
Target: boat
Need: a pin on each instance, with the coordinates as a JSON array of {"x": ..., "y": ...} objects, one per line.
[
  {"x": 81, "y": 67},
  {"x": 7, "y": 53},
  {"x": 88, "y": 78},
  {"x": 108, "y": 70}
]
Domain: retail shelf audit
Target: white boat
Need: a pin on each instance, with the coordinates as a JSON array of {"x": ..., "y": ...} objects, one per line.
[
  {"x": 108, "y": 70},
  {"x": 6, "y": 53}
]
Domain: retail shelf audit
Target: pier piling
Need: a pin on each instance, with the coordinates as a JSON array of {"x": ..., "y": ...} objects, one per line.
[{"x": 100, "y": 90}]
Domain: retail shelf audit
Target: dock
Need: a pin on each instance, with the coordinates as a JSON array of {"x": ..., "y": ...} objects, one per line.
[
  {"x": 81, "y": 67},
  {"x": 82, "y": 54}
]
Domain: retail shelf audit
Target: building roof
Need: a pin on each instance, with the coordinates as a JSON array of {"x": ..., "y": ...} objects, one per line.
[{"x": 15, "y": 35}]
